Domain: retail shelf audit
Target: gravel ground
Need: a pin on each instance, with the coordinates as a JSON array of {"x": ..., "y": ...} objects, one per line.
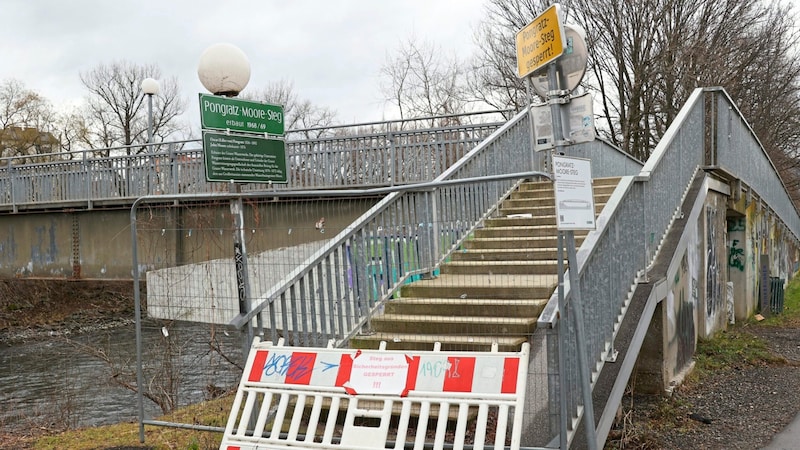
[{"x": 741, "y": 406}]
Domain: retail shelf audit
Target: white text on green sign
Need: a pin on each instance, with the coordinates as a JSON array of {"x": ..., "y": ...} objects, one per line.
[
  {"x": 221, "y": 113},
  {"x": 244, "y": 159}
]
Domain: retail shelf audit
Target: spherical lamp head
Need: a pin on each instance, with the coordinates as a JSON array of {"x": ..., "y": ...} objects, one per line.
[
  {"x": 224, "y": 70},
  {"x": 149, "y": 86}
]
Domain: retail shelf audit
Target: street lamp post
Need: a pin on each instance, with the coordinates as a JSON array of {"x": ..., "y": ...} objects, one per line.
[
  {"x": 150, "y": 88},
  {"x": 225, "y": 70}
]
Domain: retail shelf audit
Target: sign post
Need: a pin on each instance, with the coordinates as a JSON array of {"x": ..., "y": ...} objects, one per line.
[
  {"x": 539, "y": 46},
  {"x": 248, "y": 155}
]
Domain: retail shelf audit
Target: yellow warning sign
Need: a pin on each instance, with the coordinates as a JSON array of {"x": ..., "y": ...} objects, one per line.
[{"x": 540, "y": 42}]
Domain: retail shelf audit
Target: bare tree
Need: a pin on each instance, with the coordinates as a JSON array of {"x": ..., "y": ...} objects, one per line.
[
  {"x": 493, "y": 75},
  {"x": 116, "y": 112},
  {"x": 421, "y": 81},
  {"x": 25, "y": 121},
  {"x": 298, "y": 114},
  {"x": 646, "y": 57}
]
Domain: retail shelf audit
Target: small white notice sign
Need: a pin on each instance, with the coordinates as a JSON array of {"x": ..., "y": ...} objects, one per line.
[
  {"x": 379, "y": 373},
  {"x": 574, "y": 195}
]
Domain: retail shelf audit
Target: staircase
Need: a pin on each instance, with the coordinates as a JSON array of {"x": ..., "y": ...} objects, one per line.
[{"x": 492, "y": 289}]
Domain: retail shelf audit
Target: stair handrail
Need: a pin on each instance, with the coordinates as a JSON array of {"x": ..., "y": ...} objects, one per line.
[
  {"x": 611, "y": 258},
  {"x": 501, "y": 154},
  {"x": 650, "y": 202}
]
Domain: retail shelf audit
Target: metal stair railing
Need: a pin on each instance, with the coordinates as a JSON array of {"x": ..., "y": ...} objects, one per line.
[
  {"x": 635, "y": 219},
  {"x": 709, "y": 133},
  {"x": 412, "y": 230}
]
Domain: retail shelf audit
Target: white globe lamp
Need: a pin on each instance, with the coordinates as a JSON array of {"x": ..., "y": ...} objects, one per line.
[
  {"x": 149, "y": 86},
  {"x": 224, "y": 70}
]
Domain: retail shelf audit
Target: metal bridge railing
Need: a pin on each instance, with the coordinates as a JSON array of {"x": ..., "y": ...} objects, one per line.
[
  {"x": 359, "y": 156},
  {"x": 739, "y": 152}
]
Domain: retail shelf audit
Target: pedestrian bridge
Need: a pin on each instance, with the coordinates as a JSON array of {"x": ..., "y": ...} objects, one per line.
[{"x": 686, "y": 243}]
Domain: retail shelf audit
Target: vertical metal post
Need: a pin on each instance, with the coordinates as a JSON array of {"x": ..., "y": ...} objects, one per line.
[
  {"x": 240, "y": 261},
  {"x": 392, "y": 160},
  {"x": 562, "y": 346},
  {"x": 532, "y": 135},
  {"x": 580, "y": 338},
  {"x": 137, "y": 313},
  {"x": 150, "y": 167},
  {"x": 555, "y": 98},
  {"x": 173, "y": 169},
  {"x": 149, "y": 119},
  {"x": 434, "y": 230},
  {"x": 88, "y": 172}
]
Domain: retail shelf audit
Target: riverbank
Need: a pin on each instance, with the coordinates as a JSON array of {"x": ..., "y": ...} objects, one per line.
[{"x": 40, "y": 308}]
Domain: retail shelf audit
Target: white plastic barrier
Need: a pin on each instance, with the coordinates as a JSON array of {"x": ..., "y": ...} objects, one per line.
[{"x": 293, "y": 397}]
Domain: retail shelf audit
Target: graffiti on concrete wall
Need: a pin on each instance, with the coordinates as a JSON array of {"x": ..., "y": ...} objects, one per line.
[
  {"x": 713, "y": 273},
  {"x": 737, "y": 224},
  {"x": 681, "y": 301},
  {"x": 736, "y": 256}
]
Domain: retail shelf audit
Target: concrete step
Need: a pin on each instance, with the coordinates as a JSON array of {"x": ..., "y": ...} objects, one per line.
[
  {"x": 606, "y": 182},
  {"x": 425, "y": 342},
  {"x": 453, "y": 325},
  {"x": 515, "y": 231},
  {"x": 536, "y": 186},
  {"x": 506, "y": 254},
  {"x": 512, "y": 287},
  {"x": 492, "y": 289},
  {"x": 536, "y": 242},
  {"x": 500, "y": 267},
  {"x": 483, "y": 307},
  {"x": 521, "y": 220},
  {"x": 531, "y": 200},
  {"x": 538, "y": 210}
]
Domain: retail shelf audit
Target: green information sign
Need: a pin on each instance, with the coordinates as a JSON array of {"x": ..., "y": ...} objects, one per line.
[
  {"x": 222, "y": 113},
  {"x": 244, "y": 159}
]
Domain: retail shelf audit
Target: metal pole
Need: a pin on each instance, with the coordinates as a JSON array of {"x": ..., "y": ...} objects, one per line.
[
  {"x": 240, "y": 260},
  {"x": 556, "y": 97},
  {"x": 149, "y": 141},
  {"x": 531, "y": 133},
  {"x": 583, "y": 362},
  {"x": 149, "y": 119},
  {"x": 562, "y": 346},
  {"x": 138, "y": 321}
]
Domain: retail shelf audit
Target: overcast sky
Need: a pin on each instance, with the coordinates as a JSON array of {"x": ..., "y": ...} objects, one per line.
[{"x": 332, "y": 50}]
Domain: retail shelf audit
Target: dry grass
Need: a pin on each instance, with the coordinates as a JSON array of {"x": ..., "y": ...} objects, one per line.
[{"x": 126, "y": 435}]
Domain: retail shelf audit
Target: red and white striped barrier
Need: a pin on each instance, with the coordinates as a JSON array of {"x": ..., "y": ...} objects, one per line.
[{"x": 290, "y": 388}]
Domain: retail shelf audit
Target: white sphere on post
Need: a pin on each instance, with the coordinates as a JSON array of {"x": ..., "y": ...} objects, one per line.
[
  {"x": 224, "y": 70},
  {"x": 150, "y": 86}
]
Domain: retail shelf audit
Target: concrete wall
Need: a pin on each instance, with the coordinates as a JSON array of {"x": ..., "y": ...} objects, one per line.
[
  {"x": 80, "y": 244},
  {"x": 712, "y": 280},
  {"x": 96, "y": 244}
]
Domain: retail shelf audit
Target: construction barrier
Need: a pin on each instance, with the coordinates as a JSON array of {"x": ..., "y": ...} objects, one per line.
[{"x": 293, "y": 397}]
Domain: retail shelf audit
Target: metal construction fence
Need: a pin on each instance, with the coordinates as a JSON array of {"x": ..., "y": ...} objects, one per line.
[
  {"x": 358, "y": 266},
  {"x": 357, "y": 156},
  {"x": 315, "y": 277}
]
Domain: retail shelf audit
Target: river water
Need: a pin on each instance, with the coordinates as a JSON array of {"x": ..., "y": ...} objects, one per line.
[{"x": 67, "y": 382}]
